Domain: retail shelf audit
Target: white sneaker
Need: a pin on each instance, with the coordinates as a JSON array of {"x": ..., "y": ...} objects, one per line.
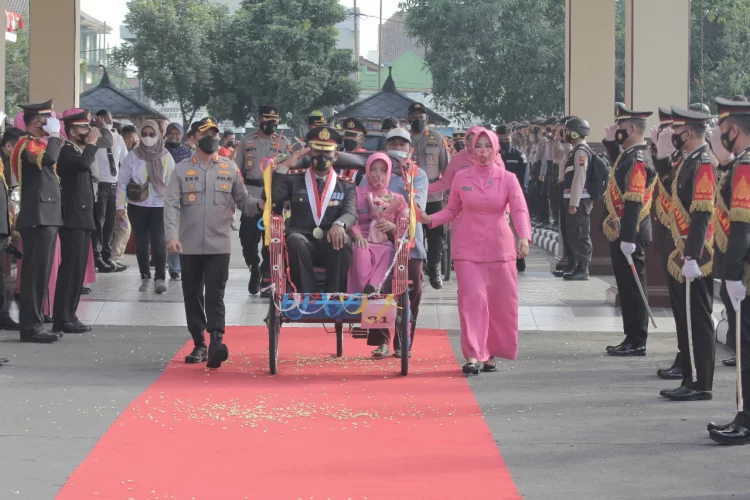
[{"x": 160, "y": 286}]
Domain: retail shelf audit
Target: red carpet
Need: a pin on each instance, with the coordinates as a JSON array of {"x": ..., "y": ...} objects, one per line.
[{"x": 324, "y": 428}]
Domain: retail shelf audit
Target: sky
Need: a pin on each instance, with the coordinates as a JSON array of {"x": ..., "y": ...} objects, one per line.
[{"x": 113, "y": 13}]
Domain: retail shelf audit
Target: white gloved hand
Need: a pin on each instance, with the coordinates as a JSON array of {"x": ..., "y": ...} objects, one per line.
[
  {"x": 627, "y": 248},
  {"x": 664, "y": 146},
  {"x": 52, "y": 126},
  {"x": 655, "y": 134},
  {"x": 610, "y": 132},
  {"x": 690, "y": 270},
  {"x": 718, "y": 148},
  {"x": 737, "y": 292}
]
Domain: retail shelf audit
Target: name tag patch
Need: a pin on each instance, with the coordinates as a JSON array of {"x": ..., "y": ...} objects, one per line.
[{"x": 466, "y": 188}]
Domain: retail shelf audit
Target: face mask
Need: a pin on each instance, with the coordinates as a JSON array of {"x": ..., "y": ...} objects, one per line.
[
  {"x": 230, "y": 144},
  {"x": 484, "y": 157},
  {"x": 350, "y": 144},
  {"x": 727, "y": 142},
  {"x": 171, "y": 144},
  {"x": 459, "y": 146},
  {"x": 82, "y": 137},
  {"x": 400, "y": 154},
  {"x": 377, "y": 181},
  {"x": 418, "y": 125},
  {"x": 209, "y": 144},
  {"x": 621, "y": 136},
  {"x": 322, "y": 162},
  {"x": 504, "y": 146},
  {"x": 148, "y": 141},
  {"x": 269, "y": 128},
  {"x": 677, "y": 141}
]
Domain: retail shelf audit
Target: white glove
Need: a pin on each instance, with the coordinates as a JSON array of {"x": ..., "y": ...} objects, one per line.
[
  {"x": 718, "y": 148},
  {"x": 664, "y": 147},
  {"x": 611, "y": 132},
  {"x": 52, "y": 126},
  {"x": 737, "y": 292},
  {"x": 655, "y": 134},
  {"x": 690, "y": 270},
  {"x": 627, "y": 249}
]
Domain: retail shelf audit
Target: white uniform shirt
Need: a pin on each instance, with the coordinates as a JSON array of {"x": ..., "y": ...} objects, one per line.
[{"x": 119, "y": 151}]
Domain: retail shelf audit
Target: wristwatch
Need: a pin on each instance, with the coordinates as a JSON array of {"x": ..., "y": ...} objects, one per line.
[{"x": 339, "y": 223}]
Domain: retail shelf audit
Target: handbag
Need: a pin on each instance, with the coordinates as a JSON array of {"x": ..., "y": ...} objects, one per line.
[{"x": 137, "y": 192}]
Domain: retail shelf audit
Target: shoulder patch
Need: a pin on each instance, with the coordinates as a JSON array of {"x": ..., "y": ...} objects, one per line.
[
  {"x": 296, "y": 171},
  {"x": 740, "y": 208},
  {"x": 744, "y": 158},
  {"x": 705, "y": 183},
  {"x": 639, "y": 156}
]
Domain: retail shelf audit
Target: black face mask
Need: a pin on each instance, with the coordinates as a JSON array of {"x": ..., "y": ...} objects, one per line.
[
  {"x": 677, "y": 141},
  {"x": 459, "y": 146},
  {"x": 621, "y": 136},
  {"x": 230, "y": 144},
  {"x": 209, "y": 144},
  {"x": 504, "y": 147},
  {"x": 171, "y": 144},
  {"x": 569, "y": 138},
  {"x": 269, "y": 128},
  {"x": 350, "y": 144},
  {"x": 727, "y": 142},
  {"x": 322, "y": 162},
  {"x": 82, "y": 137},
  {"x": 418, "y": 125}
]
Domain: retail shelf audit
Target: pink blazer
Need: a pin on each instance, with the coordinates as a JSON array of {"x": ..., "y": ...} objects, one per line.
[
  {"x": 460, "y": 161},
  {"x": 362, "y": 227},
  {"x": 481, "y": 195}
]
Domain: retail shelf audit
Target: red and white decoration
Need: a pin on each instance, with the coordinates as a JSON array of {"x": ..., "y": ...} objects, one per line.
[{"x": 13, "y": 23}]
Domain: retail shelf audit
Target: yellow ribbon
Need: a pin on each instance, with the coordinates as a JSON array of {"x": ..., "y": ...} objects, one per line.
[{"x": 270, "y": 166}]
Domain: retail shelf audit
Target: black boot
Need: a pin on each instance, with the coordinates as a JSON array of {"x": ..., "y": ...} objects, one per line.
[
  {"x": 436, "y": 280},
  {"x": 580, "y": 274},
  {"x": 569, "y": 269},
  {"x": 254, "y": 286},
  {"x": 200, "y": 352},
  {"x": 217, "y": 351}
]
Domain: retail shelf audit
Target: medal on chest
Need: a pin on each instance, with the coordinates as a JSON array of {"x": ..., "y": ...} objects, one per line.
[{"x": 319, "y": 201}]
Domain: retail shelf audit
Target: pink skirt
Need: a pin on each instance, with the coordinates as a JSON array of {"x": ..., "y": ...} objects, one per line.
[
  {"x": 90, "y": 276},
  {"x": 369, "y": 265},
  {"x": 488, "y": 308}
]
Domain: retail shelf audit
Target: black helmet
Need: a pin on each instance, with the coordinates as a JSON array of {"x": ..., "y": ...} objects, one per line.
[{"x": 579, "y": 126}]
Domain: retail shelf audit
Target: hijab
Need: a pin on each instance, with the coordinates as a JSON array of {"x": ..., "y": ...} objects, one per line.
[
  {"x": 493, "y": 158},
  {"x": 152, "y": 156},
  {"x": 376, "y": 184},
  {"x": 180, "y": 152}
]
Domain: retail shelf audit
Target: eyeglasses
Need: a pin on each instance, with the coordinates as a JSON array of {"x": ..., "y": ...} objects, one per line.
[{"x": 147, "y": 134}]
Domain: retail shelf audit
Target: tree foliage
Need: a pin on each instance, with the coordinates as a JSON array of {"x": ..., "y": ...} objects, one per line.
[
  {"x": 498, "y": 60},
  {"x": 283, "y": 52},
  {"x": 174, "y": 50},
  {"x": 17, "y": 73}
]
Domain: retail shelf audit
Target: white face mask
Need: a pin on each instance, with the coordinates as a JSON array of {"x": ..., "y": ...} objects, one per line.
[
  {"x": 401, "y": 154},
  {"x": 148, "y": 141}
]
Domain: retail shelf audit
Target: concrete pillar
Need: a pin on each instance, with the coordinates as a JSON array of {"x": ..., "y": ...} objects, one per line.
[
  {"x": 2, "y": 67},
  {"x": 54, "y": 52},
  {"x": 590, "y": 63},
  {"x": 657, "y": 55}
]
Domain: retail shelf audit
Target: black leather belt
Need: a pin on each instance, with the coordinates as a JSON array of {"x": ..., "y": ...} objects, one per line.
[
  {"x": 254, "y": 182},
  {"x": 113, "y": 185}
]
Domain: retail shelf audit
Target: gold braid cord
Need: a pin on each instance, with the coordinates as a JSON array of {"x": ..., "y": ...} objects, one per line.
[
  {"x": 721, "y": 219},
  {"x": 611, "y": 225},
  {"x": 663, "y": 204}
]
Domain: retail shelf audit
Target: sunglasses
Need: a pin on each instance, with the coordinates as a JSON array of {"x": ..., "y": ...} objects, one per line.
[{"x": 147, "y": 134}]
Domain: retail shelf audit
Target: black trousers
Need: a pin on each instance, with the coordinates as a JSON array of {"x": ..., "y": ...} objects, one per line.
[
  {"x": 704, "y": 336},
  {"x": 435, "y": 237},
  {"x": 578, "y": 226},
  {"x": 250, "y": 238},
  {"x": 744, "y": 417},
  {"x": 634, "y": 312},
  {"x": 104, "y": 216},
  {"x": 147, "y": 224},
  {"x": 416, "y": 276},
  {"x": 3, "y": 293},
  {"x": 38, "y": 251},
  {"x": 543, "y": 208},
  {"x": 74, "y": 254},
  {"x": 305, "y": 252},
  {"x": 562, "y": 209},
  {"x": 554, "y": 192},
  {"x": 204, "y": 280}
]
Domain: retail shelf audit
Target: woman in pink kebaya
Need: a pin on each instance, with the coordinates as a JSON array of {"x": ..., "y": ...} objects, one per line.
[{"x": 485, "y": 253}]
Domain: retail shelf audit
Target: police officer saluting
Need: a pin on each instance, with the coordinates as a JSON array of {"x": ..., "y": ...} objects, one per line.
[
  {"x": 323, "y": 210},
  {"x": 431, "y": 154},
  {"x": 40, "y": 217},
  {"x": 733, "y": 221},
  {"x": 575, "y": 190},
  {"x": 197, "y": 221},
  {"x": 252, "y": 149},
  {"x": 627, "y": 224},
  {"x": 691, "y": 210}
]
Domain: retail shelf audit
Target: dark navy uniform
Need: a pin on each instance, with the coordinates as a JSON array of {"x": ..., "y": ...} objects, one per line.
[
  {"x": 516, "y": 162},
  {"x": 6, "y": 228},
  {"x": 628, "y": 203},
  {"x": 307, "y": 242}
]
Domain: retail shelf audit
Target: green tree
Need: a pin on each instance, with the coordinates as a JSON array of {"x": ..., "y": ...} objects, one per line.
[
  {"x": 498, "y": 60},
  {"x": 283, "y": 52},
  {"x": 175, "y": 50},
  {"x": 17, "y": 73}
]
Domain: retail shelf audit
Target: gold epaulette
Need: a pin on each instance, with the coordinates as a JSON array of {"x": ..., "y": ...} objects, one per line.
[
  {"x": 348, "y": 180},
  {"x": 296, "y": 171}
]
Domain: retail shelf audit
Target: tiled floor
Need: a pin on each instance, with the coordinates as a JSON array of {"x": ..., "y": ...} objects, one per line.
[{"x": 546, "y": 303}]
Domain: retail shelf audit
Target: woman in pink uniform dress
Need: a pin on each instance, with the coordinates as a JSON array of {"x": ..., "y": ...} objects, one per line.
[
  {"x": 373, "y": 235},
  {"x": 485, "y": 253},
  {"x": 460, "y": 161}
]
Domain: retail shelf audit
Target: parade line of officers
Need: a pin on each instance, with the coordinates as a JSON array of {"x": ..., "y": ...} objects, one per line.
[{"x": 703, "y": 207}]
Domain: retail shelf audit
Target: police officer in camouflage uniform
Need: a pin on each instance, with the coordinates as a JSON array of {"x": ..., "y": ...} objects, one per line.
[
  {"x": 252, "y": 149},
  {"x": 431, "y": 154},
  {"x": 197, "y": 221}
]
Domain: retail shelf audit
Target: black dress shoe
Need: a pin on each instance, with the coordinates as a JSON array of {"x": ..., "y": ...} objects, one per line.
[
  {"x": 70, "y": 327},
  {"x": 581, "y": 274},
  {"x": 489, "y": 368},
  {"x": 253, "y": 287},
  {"x": 732, "y": 435},
  {"x": 48, "y": 320},
  {"x": 85, "y": 290},
  {"x": 117, "y": 268},
  {"x": 713, "y": 426},
  {"x": 472, "y": 368},
  {"x": 520, "y": 265},
  {"x": 175, "y": 276},
  {"x": 627, "y": 350},
  {"x": 729, "y": 362},
  {"x": 688, "y": 394},
  {"x": 103, "y": 267},
  {"x": 436, "y": 280},
  {"x": 217, "y": 351},
  {"x": 674, "y": 373},
  {"x": 9, "y": 324},
  {"x": 199, "y": 355},
  {"x": 664, "y": 392},
  {"x": 39, "y": 337}
]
